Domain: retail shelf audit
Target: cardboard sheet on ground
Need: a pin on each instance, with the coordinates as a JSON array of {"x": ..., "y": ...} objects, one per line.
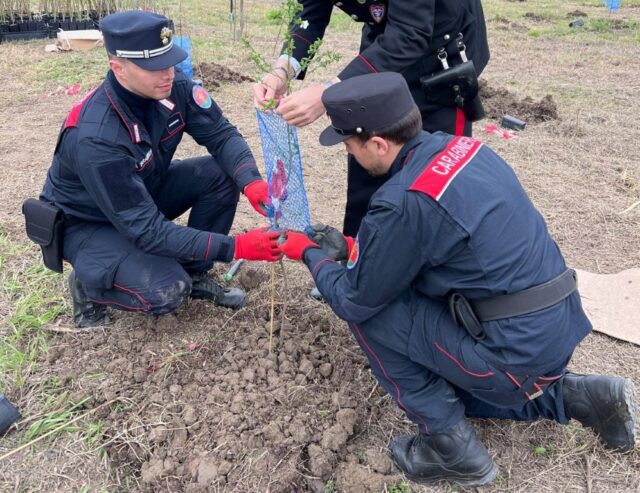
[
  {"x": 612, "y": 302},
  {"x": 81, "y": 40}
]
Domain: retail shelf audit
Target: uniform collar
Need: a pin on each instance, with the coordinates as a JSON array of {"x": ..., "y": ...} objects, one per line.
[
  {"x": 137, "y": 130},
  {"x": 405, "y": 153}
]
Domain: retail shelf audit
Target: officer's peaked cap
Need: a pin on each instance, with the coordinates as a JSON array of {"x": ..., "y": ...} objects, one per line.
[
  {"x": 143, "y": 37},
  {"x": 365, "y": 103}
]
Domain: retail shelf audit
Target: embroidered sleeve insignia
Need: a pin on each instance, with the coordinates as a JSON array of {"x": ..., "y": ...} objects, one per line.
[{"x": 354, "y": 254}]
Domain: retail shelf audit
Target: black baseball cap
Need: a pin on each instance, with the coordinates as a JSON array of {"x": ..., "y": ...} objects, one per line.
[
  {"x": 145, "y": 38},
  {"x": 365, "y": 103}
]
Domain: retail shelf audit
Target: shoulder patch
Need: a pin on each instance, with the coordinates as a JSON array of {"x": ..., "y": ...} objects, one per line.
[
  {"x": 440, "y": 172},
  {"x": 201, "y": 97}
]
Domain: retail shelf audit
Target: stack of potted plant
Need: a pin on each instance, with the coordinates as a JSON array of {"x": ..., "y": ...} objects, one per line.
[{"x": 18, "y": 21}]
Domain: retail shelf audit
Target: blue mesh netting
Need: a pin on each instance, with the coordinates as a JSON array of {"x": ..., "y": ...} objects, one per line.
[{"x": 281, "y": 153}]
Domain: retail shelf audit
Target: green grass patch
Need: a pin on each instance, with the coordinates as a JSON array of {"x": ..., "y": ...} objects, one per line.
[
  {"x": 399, "y": 488},
  {"x": 93, "y": 433},
  {"x": 542, "y": 451},
  {"x": 329, "y": 487},
  {"x": 36, "y": 298},
  {"x": 59, "y": 410},
  {"x": 546, "y": 18},
  {"x": 65, "y": 69},
  {"x": 605, "y": 29}
]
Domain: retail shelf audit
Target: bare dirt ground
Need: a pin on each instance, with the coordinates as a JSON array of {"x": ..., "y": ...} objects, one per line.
[{"x": 195, "y": 401}]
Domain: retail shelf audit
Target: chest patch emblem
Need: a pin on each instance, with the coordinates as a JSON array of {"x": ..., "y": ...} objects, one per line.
[
  {"x": 201, "y": 97},
  {"x": 354, "y": 254},
  {"x": 377, "y": 13}
]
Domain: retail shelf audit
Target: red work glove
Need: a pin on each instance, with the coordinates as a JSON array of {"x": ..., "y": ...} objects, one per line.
[
  {"x": 257, "y": 192},
  {"x": 296, "y": 244},
  {"x": 258, "y": 244}
]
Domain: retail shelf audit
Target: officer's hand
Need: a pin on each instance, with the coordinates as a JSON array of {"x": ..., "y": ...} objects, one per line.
[
  {"x": 257, "y": 193},
  {"x": 296, "y": 244},
  {"x": 273, "y": 86},
  {"x": 332, "y": 241},
  {"x": 302, "y": 107},
  {"x": 258, "y": 244}
]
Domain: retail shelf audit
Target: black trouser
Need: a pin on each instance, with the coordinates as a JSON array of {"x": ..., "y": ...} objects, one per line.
[
  {"x": 361, "y": 186},
  {"x": 116, "y": 273}
]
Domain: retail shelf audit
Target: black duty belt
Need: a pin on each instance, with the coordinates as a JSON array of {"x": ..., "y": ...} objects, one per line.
[{"x": 470, "y": 313}]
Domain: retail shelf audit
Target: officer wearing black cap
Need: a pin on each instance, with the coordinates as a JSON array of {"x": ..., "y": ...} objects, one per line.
[
  {"x": 417, "y": 39},
  {"x": 114, "y": 177},
  {"x": 362, "y": 110},
  {"x": 454, "y": 290}
]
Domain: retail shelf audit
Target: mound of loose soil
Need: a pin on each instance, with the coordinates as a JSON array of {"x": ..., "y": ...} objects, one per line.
[
  {"x": 505, "y": 24},
  {"x": 498, "y": 102},
  {"x": 536, "y": 17},
  {"x": 214, "y": 75},
  {"x": 202, "y": 403}
]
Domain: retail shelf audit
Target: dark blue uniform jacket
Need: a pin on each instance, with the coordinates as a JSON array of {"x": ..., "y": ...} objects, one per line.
[
  {"x": 107, "y": 166},
  {"x": 400, "y": 35},
  {"x": 454, "y": 218}
]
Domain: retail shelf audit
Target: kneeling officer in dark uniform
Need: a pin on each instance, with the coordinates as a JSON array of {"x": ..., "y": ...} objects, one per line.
[
  {"x": 454, "y": 290},
  {"x": 114, "y": 179}
]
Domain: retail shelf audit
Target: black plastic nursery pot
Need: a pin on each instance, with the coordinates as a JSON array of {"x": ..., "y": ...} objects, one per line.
[{"x": 22, "y": 30}]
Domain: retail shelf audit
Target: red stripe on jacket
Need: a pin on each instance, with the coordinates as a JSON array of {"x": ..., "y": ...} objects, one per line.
[{"x": 441, "y": 171}]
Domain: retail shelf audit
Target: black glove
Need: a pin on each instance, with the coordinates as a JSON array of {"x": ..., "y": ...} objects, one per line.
[{"x": 331, "y": 241}]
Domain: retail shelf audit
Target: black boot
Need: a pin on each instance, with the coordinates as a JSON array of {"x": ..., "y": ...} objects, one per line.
[
  {"x": 86, "y": 314},
  {"x": 316, "y": 295},
  {"x": 204, "y": 288},
  {"x": 605, "y": 404},
  {"x": 455, "y": 455}
]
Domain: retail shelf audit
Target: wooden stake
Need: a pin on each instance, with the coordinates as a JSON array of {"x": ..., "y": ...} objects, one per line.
[{"x": 273, "y": 304}]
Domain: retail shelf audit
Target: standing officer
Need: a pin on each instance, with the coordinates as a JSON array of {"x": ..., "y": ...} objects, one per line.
[
  {"x": 454, "y": 290},
  {"x": 114, "y": 178},
  {"x": 414, "y": 38}
]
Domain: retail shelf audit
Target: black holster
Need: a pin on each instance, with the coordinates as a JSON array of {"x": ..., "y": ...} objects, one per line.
[
  {"x": 456, "y": 86},
  {"x": 45, "y": 227},
  {"x": 464, "y": 316}
]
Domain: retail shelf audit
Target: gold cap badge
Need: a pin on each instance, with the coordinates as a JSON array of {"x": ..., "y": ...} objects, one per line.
[{"x": 165, "y": 35}]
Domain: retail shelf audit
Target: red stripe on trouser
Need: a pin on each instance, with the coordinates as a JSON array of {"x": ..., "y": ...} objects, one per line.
[
  {"x": 452, "y": 358},
  {"x": 387, "y": 377},
  {"x": 460, "y": 121},
  {"x": 367, "y": 63},
  {"x": 147, "y": 306}
]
